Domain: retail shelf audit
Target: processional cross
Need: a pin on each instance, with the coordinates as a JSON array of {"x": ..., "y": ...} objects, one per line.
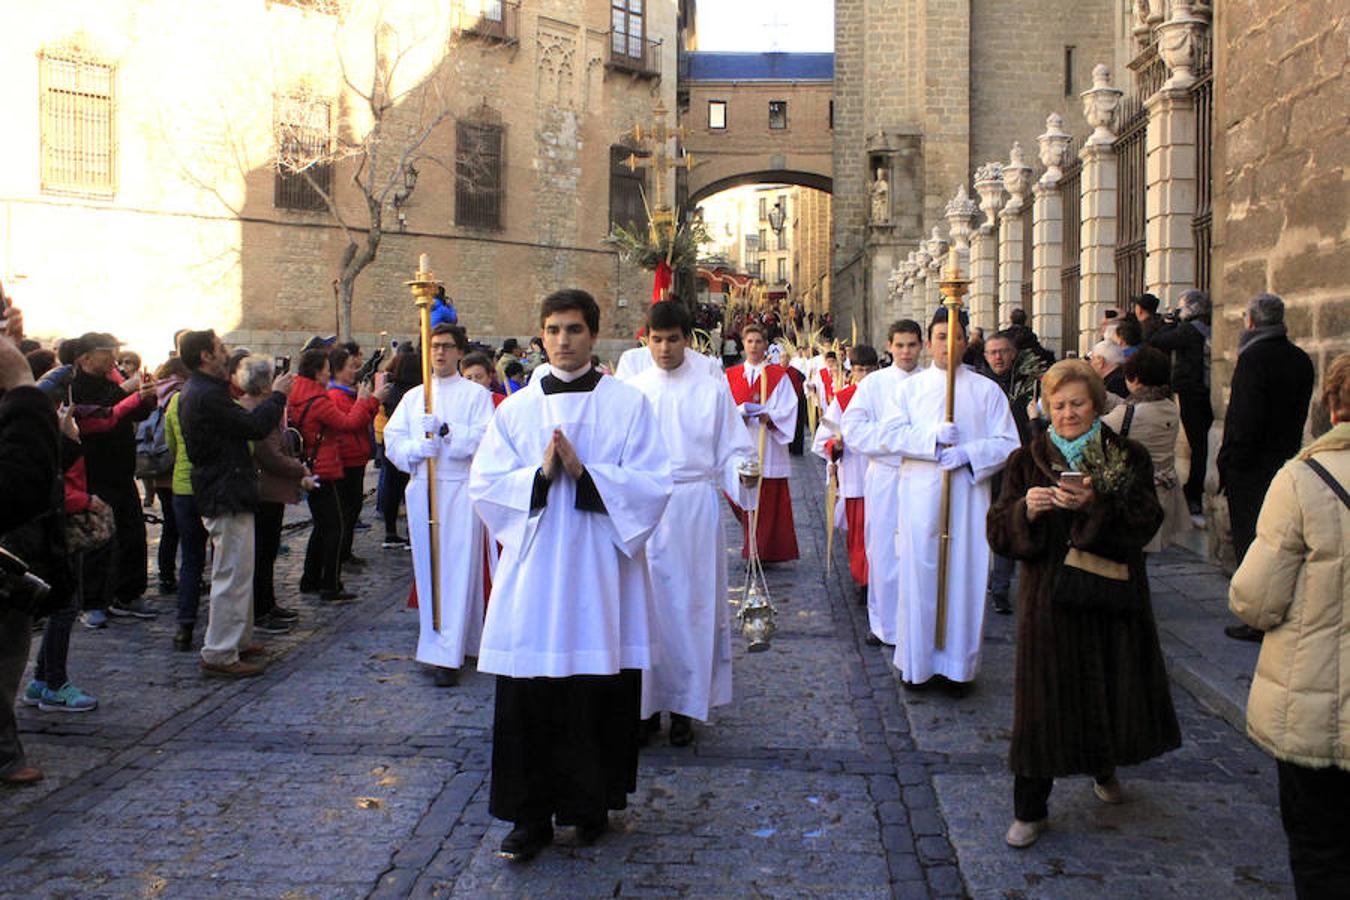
[{"x": 655, "y": 139}]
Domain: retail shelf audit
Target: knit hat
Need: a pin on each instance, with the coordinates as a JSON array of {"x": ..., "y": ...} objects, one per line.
[{"x": 1149, "y": 302}]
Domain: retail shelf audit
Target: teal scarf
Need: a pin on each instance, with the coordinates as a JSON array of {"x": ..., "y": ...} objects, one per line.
[{"x": 1073, "y": 450}]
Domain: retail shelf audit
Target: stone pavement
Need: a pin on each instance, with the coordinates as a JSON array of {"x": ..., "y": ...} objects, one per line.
[{"x": 343, "y": 772}]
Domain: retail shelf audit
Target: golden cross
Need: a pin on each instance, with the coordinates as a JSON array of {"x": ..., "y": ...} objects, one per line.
[{"x": 656, "y": 139}]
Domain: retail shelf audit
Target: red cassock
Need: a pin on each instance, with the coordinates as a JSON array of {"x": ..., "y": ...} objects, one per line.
[
  {"x": 775, "y": 531},
  {"x": 853, "y": 506}
]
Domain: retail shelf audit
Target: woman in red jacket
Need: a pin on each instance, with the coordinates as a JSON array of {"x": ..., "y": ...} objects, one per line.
[
  {"x": 321, "y": 423},
  {"x": 354, "y": 448}
]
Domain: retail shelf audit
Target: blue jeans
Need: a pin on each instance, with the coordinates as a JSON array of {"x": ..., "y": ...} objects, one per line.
[
  {"x": 192, "y": 545},
  {"x": 55, "y": 649}
]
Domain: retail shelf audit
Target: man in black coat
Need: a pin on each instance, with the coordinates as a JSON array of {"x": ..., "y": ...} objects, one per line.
[
  {"x": 216, "y": 431},
  {"x": 30, "y": 483},
  {"x": 1000, "y": 364},
  {"x": 110, "y": 461},
  {"x": 1185, "y": 335},
  {"x": 1272, "y": 387}
]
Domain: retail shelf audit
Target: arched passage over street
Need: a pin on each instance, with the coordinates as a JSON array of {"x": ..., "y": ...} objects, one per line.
[{"x": 758, "y": 118}]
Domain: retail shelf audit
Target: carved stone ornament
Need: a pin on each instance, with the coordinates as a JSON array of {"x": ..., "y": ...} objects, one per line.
[
  {"x": 921, "y": 260},
  {"x": 1100, "y": 103},
  {"x": 911, "y": 269},
  {"x": 1054, "y": 145},
  {"x": 1179, "y": 45},
  {"x": 989, "y": 185},
  {"x": 881, "y": 199},
  {"x": 895, "y": 285},
  {"x": 1016, "y": 179},
  {"x": 936, "y": 245},
  {"x": 960, "y": 210}
]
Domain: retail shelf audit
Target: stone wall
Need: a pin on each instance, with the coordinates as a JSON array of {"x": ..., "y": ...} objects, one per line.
[
  {"x": 192, "y": 237},
  {"x": 1282, "y": 173}
]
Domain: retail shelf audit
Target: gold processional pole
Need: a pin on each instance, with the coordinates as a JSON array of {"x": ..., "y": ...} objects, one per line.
[
  {"x": 953, "y": 288},
  {"x": 423, "y": 288}
]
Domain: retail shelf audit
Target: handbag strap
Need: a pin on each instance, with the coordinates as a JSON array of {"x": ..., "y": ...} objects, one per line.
[
  {"x": 1336, "y": 487},
  {"x": 1129, "y": 419}
]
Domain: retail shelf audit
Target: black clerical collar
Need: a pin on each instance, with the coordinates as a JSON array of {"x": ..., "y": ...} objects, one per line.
[{"x": 552, "y": 384}]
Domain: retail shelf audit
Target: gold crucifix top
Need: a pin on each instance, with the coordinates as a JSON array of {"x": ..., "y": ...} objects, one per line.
[{"x": 656, "y": 140}]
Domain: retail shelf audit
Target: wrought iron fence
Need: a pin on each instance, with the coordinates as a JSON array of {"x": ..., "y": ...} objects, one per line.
[
  {"x": 1071, "y": 190},
  {"x": 1203, "y": 93},
  {"x": 1131, "y": 240}
]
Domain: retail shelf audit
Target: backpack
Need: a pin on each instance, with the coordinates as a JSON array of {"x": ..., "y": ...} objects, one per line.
[
  {"x": 295, "y": 437},
  {"x": 152, "y": 446}
]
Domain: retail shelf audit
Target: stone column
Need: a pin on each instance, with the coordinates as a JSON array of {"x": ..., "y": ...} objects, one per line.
[
  {"x": 1169, "y": 201},
  {"x": 984, "y": 248},
  {"x": 1047, "y": 238},
  {"x": 1097, "y": 237},
  {"x": 937, "y": 257},
  {"x": 1016, "y": 180}
]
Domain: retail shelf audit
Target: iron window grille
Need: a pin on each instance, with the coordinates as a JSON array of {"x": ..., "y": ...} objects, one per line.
[
  {"x": 627, "y": 208},
  {"x": 479, "y": 187},
  {"x": 304, "y": 165},
  {"x": 78, "y": 126},
  {"x": 778, "y": 114}
]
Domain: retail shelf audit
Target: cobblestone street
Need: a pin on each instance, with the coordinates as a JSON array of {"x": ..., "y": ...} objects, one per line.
[{"x": 343, "y": 772}]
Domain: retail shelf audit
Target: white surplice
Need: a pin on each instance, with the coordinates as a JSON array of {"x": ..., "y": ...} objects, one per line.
[
  {"x": 988, "y": 434},
  {"x": 637, "y": 360},
  {"x": 691, "y": 628},
  {"x": 781, "y": 406},
  {"x": 876, "y": 401},
  {"x": 853, "y": 464},
  {"x": 467, "y": 409},
  {"x": 572, "y": 590}
]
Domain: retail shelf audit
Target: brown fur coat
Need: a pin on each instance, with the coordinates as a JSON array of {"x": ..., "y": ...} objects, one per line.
[{"x": 1091, "y": 688}]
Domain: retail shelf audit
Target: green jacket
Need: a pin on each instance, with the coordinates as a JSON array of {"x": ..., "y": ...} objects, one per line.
[{"x": 173, "y": 436}]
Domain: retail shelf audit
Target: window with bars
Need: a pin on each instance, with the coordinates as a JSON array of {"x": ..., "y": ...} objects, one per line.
[
  {"x": 628, "y": 34},
  {"x": 479, "y": 187},
  {"x": 764, "y": 209},
  {"x": 304, "y": 141},
  {"x": 778, "y": 114},
  {"x": 78, "y": 127},
  {"x": 782, "y": 270},
  {"x": 626, "y": 186}
]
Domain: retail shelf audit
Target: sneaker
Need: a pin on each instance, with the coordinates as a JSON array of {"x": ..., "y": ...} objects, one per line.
[
  {"x": 394, "y": 542},
  {"x": 136, "y": 608},
  {"x": 33, "y": 693},
  {"x": 283, "y": 614},
  {"x": 94, "y": 618},
  {"x": 1023, "y": 834},
  {"x": 268, "y": 624},
  {"x": 68, "y": 699}
]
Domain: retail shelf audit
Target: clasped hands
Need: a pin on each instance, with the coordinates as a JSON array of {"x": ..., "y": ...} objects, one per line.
[
  {"x": 1063, "y": 496},
  {"x": 561, "y": 454},
  {"x": 950, "y": 456}
]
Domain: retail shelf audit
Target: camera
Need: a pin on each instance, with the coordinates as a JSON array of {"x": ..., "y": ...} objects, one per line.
[
  {"x": 281, "y": 365},
  {"x": 18, "y": 584}
]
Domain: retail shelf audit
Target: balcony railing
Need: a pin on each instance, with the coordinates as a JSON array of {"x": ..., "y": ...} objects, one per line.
[
  {"x": 491, "y": 20},
  {"x": 633, "y": 54}
]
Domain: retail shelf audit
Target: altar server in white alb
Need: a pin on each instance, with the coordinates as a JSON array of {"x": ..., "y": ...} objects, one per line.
[
  {"x": 636, "y": 360},
  {"x": 767, "y": 401},
  {"x": 572, "y": 479},
  {"x": 973, "y": 448},
  {"x": 875, "y": 403},
  {"x": 450, "y": 436},
  {"x": 708, "y": 446}
]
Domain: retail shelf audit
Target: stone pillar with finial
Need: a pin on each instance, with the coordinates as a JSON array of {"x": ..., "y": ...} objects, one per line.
[
  {"x": 1012, "y": 234},
  {"x": 1047, "y": 237},
  {"x": 984, "y": 248},
  {"x": 1099, "y": 187},
  {"x": 919, "y": 297},
  {"x": 937, "y": 256}
]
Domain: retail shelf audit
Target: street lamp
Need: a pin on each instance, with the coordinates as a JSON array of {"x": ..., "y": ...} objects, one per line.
[
  {"x": 401, "y": 197},
  {"x": 777, "y": 219}
]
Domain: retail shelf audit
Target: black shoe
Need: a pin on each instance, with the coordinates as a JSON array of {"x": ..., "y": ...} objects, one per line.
[
  {"x": 914, "y": 687},
  {"x": 525, "y": 841},
  {"x": 182, "y": 639},
  {"x": 860, "y": 595},
  {"x": 354, "y": 562},
  {"x": 681, "y": 730},
  {"x": 394, "y": 542},
  {"x": 339, "y": 596},
  {"x": 168, "y": 587},
  {"x": 871, "y": 640},
  {"x": 269, "y": 624},
  {"x": 1244, "y": 633},
  {"x": 445, "y": 677},
  {"x": 283, "y": 614},
  {"x": 309, "y": 588},
  {"x": 589, "y": 834},
  {"x": 1001, "y": 604},
  {"x": 959, "y": 689},
  {"x": 648, "y": 728}
]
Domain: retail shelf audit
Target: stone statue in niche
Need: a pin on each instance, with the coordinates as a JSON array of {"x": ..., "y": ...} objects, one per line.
[{"x": 881, "y": 199}]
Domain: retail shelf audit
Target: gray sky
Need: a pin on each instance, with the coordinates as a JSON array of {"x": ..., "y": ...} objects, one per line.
[{"x": 746, "y": 25}]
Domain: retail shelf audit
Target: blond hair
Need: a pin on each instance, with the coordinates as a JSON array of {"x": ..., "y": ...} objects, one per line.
[
  {"x": 1336, "y": 387},
  {"x": 1068, "y": 371}
]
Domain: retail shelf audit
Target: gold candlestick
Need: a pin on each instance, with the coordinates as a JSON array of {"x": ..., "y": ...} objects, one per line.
[
  {"x": 423, "y": 287},
  {"x": 953, "y": 287}
]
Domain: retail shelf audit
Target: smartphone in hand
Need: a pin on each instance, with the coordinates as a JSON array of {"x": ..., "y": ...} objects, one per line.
[{"x": 1071, "y": 479}]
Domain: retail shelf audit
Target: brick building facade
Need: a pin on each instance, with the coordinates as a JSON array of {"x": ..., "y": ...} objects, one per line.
[{"x": 143, "y": 196}]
